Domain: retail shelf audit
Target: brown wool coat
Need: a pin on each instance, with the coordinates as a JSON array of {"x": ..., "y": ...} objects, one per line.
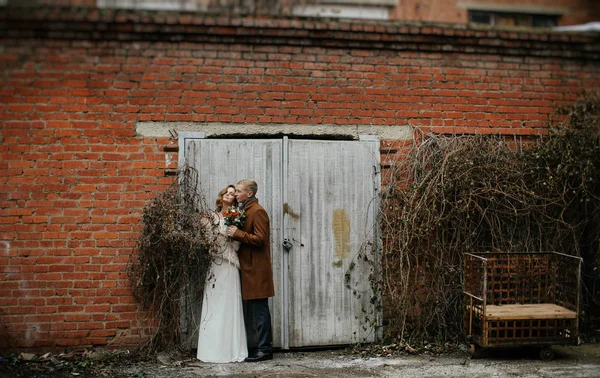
[{"x": 255, "y": 253}]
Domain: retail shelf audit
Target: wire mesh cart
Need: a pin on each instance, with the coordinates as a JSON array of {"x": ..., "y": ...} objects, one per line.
[{"x": 522, "y": 299}]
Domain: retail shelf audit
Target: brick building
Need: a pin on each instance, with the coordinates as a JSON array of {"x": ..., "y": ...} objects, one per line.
[
  {"x": 89, "y": 101},
  {"x": 528, "y": 13},
  {"x": 537, "y": 13},
  {"x": 543, "y": 13}
]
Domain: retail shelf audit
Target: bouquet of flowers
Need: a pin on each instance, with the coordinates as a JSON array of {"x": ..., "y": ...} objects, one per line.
[{"x": 234, "y": 216}]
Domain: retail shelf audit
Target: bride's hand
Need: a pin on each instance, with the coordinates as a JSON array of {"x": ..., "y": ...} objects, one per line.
[{"x": 231, "y": 230}]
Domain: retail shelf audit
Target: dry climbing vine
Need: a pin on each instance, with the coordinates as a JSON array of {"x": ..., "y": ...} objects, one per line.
[
  {"x": 173, "y": 259},
  {"x": 454, "y": 194}
]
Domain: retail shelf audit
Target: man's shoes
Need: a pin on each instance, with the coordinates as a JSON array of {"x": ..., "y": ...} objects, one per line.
[{"x": 260, "y": 356}]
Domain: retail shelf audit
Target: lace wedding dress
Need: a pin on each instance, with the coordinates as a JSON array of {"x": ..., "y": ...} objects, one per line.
[{"x": 222, "y": 334}]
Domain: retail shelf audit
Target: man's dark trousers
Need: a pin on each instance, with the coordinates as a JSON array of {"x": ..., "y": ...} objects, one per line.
[{"x": 262, "y": 322}]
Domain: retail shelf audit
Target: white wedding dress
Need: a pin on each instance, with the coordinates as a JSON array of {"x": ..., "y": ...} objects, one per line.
[{"x": 222, "y": 334}]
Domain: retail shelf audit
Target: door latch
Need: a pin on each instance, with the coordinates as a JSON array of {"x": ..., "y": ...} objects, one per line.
[{"x": 287, "y": 244}]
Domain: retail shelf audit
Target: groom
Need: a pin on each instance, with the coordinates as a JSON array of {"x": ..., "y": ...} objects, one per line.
[{"x": 255, "y": 265}]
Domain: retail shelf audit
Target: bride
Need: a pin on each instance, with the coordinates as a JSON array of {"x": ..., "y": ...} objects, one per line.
[{"x": 222, "y": 335}]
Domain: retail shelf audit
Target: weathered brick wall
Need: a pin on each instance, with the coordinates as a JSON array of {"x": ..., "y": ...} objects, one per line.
[{"x": 74, "y": 176}]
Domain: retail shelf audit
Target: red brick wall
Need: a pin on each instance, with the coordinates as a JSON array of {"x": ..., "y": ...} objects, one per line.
[{"x": 74, "y": 176}]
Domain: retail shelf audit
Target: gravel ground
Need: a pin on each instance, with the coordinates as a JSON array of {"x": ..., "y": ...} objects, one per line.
[
  {"x": 580, "y": 361},
  {"x": 569, "y": 362}
]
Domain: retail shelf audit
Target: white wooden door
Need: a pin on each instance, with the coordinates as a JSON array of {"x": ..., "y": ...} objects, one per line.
[
  {"x": 322, "y": 198},
  {"x": 331, "y": 207},
  {"x": 221, "y": 162}
]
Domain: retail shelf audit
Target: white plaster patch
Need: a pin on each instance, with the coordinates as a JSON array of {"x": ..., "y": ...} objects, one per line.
[{"x": 168, "y": 160}]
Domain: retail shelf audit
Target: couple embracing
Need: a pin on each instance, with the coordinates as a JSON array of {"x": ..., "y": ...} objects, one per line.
[{"x": 241, "y": 270}]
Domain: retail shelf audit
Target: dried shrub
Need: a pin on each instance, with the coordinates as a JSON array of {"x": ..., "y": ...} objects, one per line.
[
  {"x": 455, "y": 194},
  {"x": 173, "y": 257}
]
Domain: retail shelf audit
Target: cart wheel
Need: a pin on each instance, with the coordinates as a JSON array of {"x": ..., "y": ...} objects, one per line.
[{"x": 546, "y": 354}]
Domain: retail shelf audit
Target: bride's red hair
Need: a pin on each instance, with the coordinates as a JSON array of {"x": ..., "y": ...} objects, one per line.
[{"x": 219, "y": 202}]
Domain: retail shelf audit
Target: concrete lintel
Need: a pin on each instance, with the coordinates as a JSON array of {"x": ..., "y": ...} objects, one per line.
[{"x": 161, "y": 129}]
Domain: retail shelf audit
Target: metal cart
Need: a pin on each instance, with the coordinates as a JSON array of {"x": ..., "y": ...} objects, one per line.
[{"x": 522, "y": 299}]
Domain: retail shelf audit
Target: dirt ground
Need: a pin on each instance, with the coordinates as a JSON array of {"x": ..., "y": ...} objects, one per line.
[{"x": 576, "y": 361}]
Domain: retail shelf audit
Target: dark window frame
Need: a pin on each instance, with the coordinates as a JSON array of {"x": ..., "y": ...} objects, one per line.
[{"x": 494, "y": 18}]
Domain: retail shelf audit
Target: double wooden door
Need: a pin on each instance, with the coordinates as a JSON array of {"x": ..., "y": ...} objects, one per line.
[{"x": 322, "y": 198}]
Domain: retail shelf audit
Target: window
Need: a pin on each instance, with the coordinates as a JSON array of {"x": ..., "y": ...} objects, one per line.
[
  {"x": 341, "y": 11},
  {"x": 512, "y": 19},
  {"x": 172, "y": 5}
]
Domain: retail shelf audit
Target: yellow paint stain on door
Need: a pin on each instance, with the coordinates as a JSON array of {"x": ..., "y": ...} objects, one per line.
[{"x": 341, "y": 232}]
